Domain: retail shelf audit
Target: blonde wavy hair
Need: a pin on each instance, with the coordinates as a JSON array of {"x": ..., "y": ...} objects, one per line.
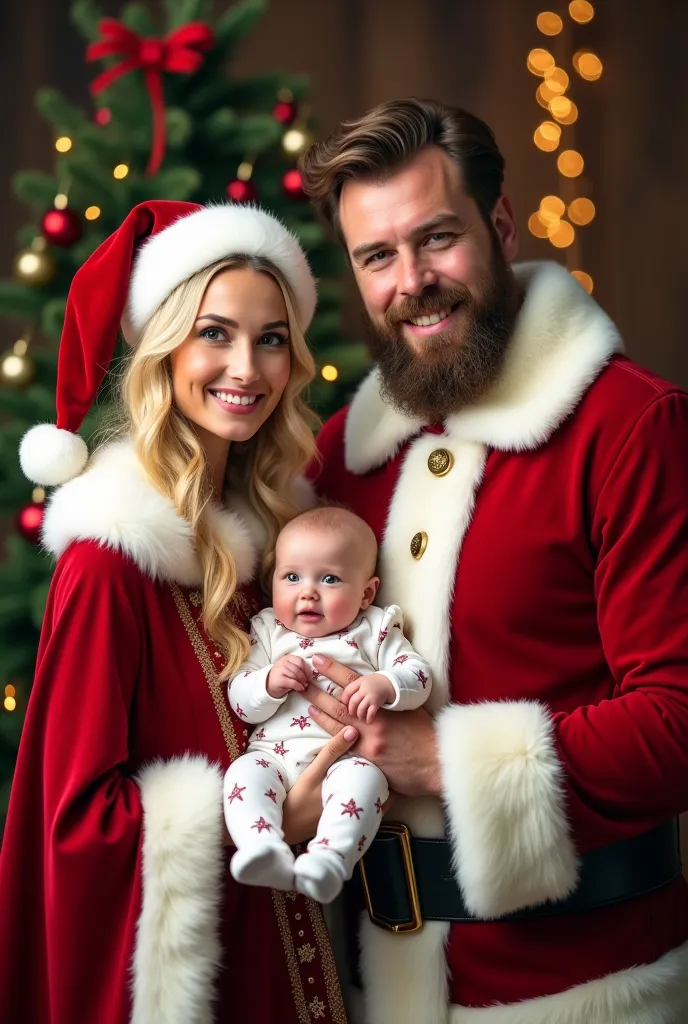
[{"x": 261, "y": 469}]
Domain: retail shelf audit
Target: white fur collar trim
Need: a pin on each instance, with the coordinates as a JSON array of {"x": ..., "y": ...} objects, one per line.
[
  {"x": 113, "y": 502},
  {"x": 561, "y": 342}
]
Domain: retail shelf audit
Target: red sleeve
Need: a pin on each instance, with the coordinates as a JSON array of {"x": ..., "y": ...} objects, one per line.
[
  {"x": 606, "y": 771},
  {"x": 627, "y": 759},
  {"x": 69, "y": 870}
]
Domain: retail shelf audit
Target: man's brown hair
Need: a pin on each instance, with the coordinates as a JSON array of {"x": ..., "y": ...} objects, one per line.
[{"x": 383, "y": 140}]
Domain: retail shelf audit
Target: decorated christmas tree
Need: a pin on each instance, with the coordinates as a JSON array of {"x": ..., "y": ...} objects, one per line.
[{"x": 168, "y": 121}]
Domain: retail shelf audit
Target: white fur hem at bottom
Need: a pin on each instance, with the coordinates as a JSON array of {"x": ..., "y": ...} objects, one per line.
[{"x": 654, "y": 993}]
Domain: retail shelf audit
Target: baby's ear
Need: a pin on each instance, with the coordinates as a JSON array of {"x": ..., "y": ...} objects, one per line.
[{"x": 369, "y": 592}]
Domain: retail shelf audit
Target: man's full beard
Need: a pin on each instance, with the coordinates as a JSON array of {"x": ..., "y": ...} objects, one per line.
[{"x": 456, "y": 366}]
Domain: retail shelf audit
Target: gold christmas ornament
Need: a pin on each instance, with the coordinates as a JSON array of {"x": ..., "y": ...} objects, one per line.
[
  {"x": 34, "y": 266},
  {"x": 296, "y": 140},
  {"x": 17, "y": 369}
]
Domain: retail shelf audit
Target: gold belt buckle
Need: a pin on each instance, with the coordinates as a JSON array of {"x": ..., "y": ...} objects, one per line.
[{"x": 403, "y": 834}]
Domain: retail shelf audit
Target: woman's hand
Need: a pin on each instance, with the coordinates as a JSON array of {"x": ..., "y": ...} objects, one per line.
[
  {"x": 401, "y": 743},
  {"x": 303, "y": 805}
]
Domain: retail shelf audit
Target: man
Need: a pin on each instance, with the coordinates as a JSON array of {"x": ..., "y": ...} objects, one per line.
[{"x": 529, "y": 486}]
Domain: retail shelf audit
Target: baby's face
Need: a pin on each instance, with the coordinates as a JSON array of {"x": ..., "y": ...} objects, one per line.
[{"x": 319, "y": 585}]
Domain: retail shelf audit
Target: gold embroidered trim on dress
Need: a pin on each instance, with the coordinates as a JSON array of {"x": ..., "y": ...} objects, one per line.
[
  {"x": 279, "y": 902},
  {"x": 329, "y": 966},
  {"x": 214, "y": 684}
]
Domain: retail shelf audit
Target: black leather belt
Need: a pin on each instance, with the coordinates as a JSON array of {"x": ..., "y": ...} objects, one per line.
[{"x": 407, "y": 881}]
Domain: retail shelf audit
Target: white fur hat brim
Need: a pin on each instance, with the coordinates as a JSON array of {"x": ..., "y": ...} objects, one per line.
[{"x": 203, "y": 237}]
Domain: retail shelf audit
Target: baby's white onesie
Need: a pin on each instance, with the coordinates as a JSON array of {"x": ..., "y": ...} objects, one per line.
[{"x": 288, "y": 739}]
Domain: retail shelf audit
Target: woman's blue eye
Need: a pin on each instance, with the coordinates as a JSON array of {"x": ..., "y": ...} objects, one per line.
[
  {"x": 212, "y": 334},
  {"x": 273, "y": 340},
  {"x": 292, "y": 577},
  {"x": 331, "y": 579}
]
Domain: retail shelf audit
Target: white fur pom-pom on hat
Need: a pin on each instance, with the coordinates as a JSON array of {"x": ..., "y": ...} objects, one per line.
[{"x": 50, "y": 456}]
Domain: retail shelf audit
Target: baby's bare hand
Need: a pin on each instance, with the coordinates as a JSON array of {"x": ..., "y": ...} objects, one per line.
[
  {"x": 366, "y": 695},
  {"x": 288, "y": 673}
]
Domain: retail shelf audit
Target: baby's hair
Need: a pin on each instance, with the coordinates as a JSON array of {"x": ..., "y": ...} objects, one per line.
[{"x": 334, "y": 516}]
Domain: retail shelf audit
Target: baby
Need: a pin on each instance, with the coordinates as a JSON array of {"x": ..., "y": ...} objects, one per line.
[{"x": 323, "y": 592}]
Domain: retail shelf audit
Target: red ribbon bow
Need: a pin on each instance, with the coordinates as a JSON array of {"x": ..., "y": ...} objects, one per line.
[{"x": 181, "y": 53}]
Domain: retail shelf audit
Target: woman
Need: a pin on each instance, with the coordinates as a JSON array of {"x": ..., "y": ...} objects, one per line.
[{"x": 116, "y": 900}]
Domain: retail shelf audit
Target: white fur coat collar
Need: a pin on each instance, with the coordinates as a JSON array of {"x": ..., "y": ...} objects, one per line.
[
  {"x": 561, "y": 342},
  {"x": 114, "y": 503}
]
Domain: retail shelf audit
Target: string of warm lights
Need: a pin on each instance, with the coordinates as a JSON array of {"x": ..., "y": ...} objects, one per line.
[
  {"x": 63, "y": 145},
  {"x": 549, "y": 221}
]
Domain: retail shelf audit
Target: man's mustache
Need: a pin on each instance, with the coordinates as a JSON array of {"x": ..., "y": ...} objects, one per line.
[{"x": 429, "y": 301}]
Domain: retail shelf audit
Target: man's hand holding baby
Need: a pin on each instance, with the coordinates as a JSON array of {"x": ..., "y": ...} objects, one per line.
[
  {"x": 366, "y": 695},
  {"x": 288, "y": 673}
]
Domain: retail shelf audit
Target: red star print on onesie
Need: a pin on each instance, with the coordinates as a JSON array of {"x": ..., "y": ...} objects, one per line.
[
  {"x": 422, "y": 678},
  {"x": 273, "y": 796},
  {"x": 240, "y": 711},
  {"x": 378, "y": 805},
  {"x": 302, "y": 722},
  {"x": 315, "y": 673},
  {"x": 381, "y": 635},
  {"x": 361, "y": 843},
  {"x": 351, "y": 809},
  {"x": 352, "y": 643},
  {"x": 278, "y": 623},
  {"x": 262, "y": 825},
  {"x": 260, "y": 735},
  {"x": 322, "y": 842},
  {"x": 280, "y": 748},
  {"x": 262, "y": 762},
  {"x": 236, "y": 793},
  {"x": 400, "y": 660},
  {"x": 252, "y": 641},
  {"x": 306, "y": 642},
  {"x": 364, "y": 763}
]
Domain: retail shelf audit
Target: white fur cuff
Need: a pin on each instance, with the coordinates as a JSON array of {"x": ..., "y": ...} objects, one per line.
[
  {"x": 177, "y": 943},
  {"x": 503, "y": 791}
]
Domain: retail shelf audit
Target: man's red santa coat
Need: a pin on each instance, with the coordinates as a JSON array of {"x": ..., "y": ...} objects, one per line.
[
  {"x": 552, "y": 604},
  {"x": 118, "y": 905}
]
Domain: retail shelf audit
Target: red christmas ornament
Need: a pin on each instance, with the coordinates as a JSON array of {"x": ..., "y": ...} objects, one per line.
[
  {"x": 61, "y": 227},
  {"x": 285, "y": 112},
  {"x": 292, "y": 184},
  {"x": 241, "y": 191},
  {"x": 30, "y": 521},
  {"x": 103, "y": 116}
]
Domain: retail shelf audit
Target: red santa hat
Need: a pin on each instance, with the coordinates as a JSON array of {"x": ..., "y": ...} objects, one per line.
[{"x": 160, "y": 244}]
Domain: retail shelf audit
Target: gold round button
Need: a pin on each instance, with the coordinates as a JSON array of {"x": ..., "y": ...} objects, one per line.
[
  {"x": 440, "y": 461},
  {"x": 419, "y": 542}
]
